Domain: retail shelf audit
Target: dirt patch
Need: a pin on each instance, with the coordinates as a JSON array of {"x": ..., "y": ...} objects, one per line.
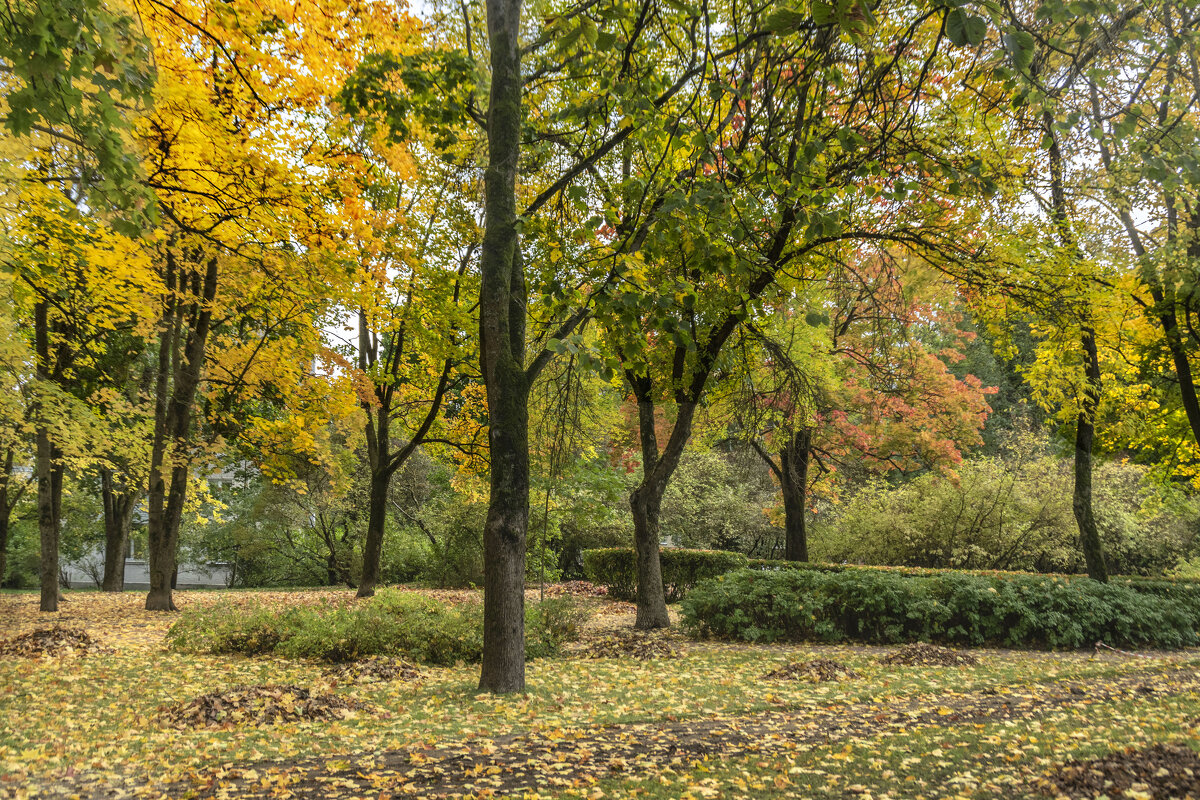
[
  {"x": 642, "y": 646},
  {"x": 54, "y": 641},
  {"x": 817, "y": 670},
  {"x": 258, "y": 705},
  {"x": 376, "y": 669},
  {"x": 1162, "y": 771},
  {"x": 929, "y": 655}
]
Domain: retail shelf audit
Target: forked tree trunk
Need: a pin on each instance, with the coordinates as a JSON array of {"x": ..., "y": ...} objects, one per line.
[
  {"x": 502, "y": 312},
  {"x": 793, "y": 481},
  {"x": 119, "y": 503},
  {"x": 182, "y": 346},
  {"x": 1085, "y": 434}
]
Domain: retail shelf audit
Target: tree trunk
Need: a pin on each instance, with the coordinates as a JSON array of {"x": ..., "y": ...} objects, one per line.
[
  {"x": 646, "y": 500},
  {"x": 376, "y": 518},
  {"x": 119, "y": 503},
  {"x": 9, "y": 497},
  {"x": 646, "y": 503},
  {"x": 502, "y": 357},
  {"x": 1085, "y": 431},
  {"x": 44, "y": 466},
  {"x": 793, "y": 481},
  {"x": 173, "y": 420}
]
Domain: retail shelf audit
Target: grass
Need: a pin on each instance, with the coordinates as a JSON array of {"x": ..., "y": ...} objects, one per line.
[{"x": 97, "y": 714}]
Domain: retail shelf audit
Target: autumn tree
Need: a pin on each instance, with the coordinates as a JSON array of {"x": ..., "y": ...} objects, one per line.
[{"x": 861, "y": 379}]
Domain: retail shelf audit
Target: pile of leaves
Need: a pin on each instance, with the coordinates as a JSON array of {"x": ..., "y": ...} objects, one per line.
[
  {"x": 376, "y": 669},
  {"x": 922, "y": 654},
  {"x": 642, "y": 646},
  {"x": 1161, "y": 771},
  {"x": 258, "y": 705},
  {"x": 576, "y": 589},
  {"x": 54, "y": 641},
  {"x": 816, "y": 670}
]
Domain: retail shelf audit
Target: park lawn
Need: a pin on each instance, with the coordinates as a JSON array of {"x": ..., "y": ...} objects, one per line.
[{"x": 98, "y": 715}]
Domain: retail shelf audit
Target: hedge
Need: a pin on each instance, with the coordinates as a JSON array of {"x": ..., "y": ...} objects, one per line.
[
  {"x": 1185, "y": 591},
  {"x": 874, "y": 606},
  {"x": 615, "y": 568}
]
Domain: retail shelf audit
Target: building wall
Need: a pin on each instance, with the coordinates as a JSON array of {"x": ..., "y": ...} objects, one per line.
[{"x": 137, "y": 573}]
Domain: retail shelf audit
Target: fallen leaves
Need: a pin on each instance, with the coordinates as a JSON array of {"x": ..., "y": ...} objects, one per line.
[
  {"x": 54, "y": 641},
  {"x": 258, "y": 705},
  {"x": 816, "y": 670},
  {"x": 921, "y": 654},
  {"x": 1159, "y": 772},
  {"x": 376, "y": 669}
]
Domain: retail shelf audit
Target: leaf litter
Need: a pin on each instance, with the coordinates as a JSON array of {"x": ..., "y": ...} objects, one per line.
[
  {"x": 1159, "y": 772},
  {"x": 921, "y": 654},
  {"x": 259, "y": 705},
  {"x": 816, "y": 669},
  {"x": 55, "y": 641}
]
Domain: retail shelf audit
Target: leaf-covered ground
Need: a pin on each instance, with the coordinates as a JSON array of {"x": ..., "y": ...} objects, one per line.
[{"x": 612, "y": 719}]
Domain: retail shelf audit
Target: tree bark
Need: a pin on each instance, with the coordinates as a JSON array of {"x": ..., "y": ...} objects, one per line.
[
  {"x": 646, "y": 503},
  {"x": 173, "y": 419},
  {"x": 1085, "y": 434},
  {"x": 45, "y": 469},
  {"x": 376, "y": 517},
  {"x": 793, "y": 481},
  {"x": 502, "y": 358},
  {"x": 119, "y": 503}
]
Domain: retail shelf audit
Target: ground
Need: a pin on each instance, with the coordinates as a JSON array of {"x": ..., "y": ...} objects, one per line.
[{"x": 658, "y": 717}]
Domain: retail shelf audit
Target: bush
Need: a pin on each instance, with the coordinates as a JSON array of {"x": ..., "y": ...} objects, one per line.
[
  {"x": 1011, "y": 514},
  {"x": 881, "y": 607},
  {"x": 392, "y": 623},
  {"x": 615, "y": 568}
]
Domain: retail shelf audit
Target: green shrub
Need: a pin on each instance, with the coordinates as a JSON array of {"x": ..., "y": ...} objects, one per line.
[
  {"x": 392, "y": 623},
  {"x": 615, "y": 568},
  {"x": 954, "y": 608},
  {"x": 1010, "y": 513}
]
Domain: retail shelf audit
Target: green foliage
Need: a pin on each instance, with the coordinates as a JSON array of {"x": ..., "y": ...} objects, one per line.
[
  {"x": 615, "y": 568},
  {"x": 716, "y": 501},
  {"x": 75, "y": 68},
  {"x": 392, "y": 623},
  {"x": 955, "y": 608},
  {"x": 1011, "y": 513}
]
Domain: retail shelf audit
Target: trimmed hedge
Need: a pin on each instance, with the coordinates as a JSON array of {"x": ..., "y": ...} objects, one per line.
[
  {"x": 615, "y": 568},
  {"x": 874, "y": 606},
  {"x": 390, "y": 624}
]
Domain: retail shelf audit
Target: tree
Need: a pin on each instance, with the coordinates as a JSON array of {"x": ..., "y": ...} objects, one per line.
[{"x": 246, "y": 257}]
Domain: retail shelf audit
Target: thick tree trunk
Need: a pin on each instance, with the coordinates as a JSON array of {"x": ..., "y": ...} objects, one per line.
[
  {"x": 504, "y": 533},
  {"x": 502, "y": 356},
  {"x": 793, "y": 481},
  {"x": 1085, "y": 431},
  {"x": 646, "y": 504},
  {"x": 373, "y": 547},
  {"x": 119, "y": 503}
]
